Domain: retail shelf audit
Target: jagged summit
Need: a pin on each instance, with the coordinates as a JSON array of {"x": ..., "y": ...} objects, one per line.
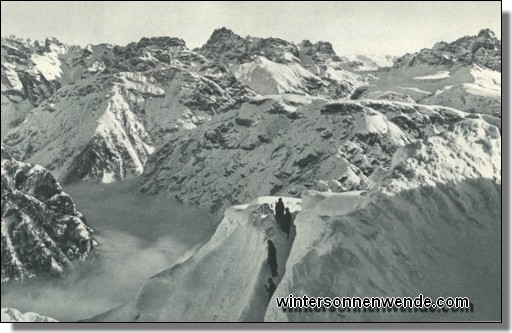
[
  {"x": 161, "y": 41},
  {"x": 487, "y": 33},
  {"x": 226, "y": 47},
  {"x": 323, "y": 47},
  {"x": 222, "y": 34},
  {"x": 220, "y": 42},
  {"x": 483, "y": 49}
]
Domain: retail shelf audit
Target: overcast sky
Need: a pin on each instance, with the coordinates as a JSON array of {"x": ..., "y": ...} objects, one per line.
[{"x": 352, "y": 27}]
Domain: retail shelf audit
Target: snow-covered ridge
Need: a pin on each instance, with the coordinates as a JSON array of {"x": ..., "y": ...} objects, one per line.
[
  {"x": 224, "y": 280},
  {"x": 431, "y": 223},
  {"x": 267, "y": 78},
  {"x": 293, "y": 143}
]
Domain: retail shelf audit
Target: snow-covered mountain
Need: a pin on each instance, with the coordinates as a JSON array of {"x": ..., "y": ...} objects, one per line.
[
  {"x": 97, "y": 113},
  {"x": 429, "y": 224},
  {"x": 464, "y": 74},
  {"x": 116, "y": 105},
  {"x": 41, "y": 229},
  {"x": 10, "y": 315},
  {"x": 483, "y": 50}
]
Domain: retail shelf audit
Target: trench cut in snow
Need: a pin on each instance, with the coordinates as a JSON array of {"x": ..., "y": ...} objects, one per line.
[{"x": 225, "y": 279}]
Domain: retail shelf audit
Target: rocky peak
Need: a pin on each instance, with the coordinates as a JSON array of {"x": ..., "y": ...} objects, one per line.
[
  {"x": 306, "y": 43},
  {"x": 325, "y": 47},
  {"x": 487, "y": 33},
  {"x": 52, "y": 41},
  {"x": 483, "y": 50},
  {"x": 162, "y": 42},
  {"x": 227, "y": 47},
  {"x": 222, "y": 34},
  {"x": 319, "y": 53},
  {"x": 221, "y": 41},
  {"x": 318, "y": 47}
]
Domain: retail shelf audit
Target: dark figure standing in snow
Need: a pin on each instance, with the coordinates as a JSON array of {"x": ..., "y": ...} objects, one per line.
[
  {"x": 279, "y": 212},
  {"x": 272, "y": 258},
  {"x": 287, "y": 222},
  {"x": 270, "y": 288}
]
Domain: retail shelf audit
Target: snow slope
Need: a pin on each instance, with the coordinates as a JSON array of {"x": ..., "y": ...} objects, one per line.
[
  {"x": 268, "y": 78},
  {"x": 469, "y": 88},
  {"x": 481, "y": 93},
  {"x": 224, "y": 280},
  {"x": 10, "y": 315},
  {"x": 430, "y": 225},
  {"x": 437, "y": 76},
  {"x": 464, "y": 74}
]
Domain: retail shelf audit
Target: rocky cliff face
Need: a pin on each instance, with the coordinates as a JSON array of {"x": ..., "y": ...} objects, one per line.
[{"x": 41, "y": 229}]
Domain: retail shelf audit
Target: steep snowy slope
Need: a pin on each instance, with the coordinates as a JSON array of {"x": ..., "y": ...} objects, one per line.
[
  {"x": 14, "y": 316},
  {"x": 41, "y": 229},
  {"x": 87, "y": 135},
  {"x": 224, "y": 280},
  {"x": 285, "y": 144},
  {"x": 430, "y": 225},
  {"x": 268, "y": 78},
  {"x": 481, "y": 94}
]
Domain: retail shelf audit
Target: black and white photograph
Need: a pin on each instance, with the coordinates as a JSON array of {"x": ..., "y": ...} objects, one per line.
[{"x": 251, "y": 162}]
